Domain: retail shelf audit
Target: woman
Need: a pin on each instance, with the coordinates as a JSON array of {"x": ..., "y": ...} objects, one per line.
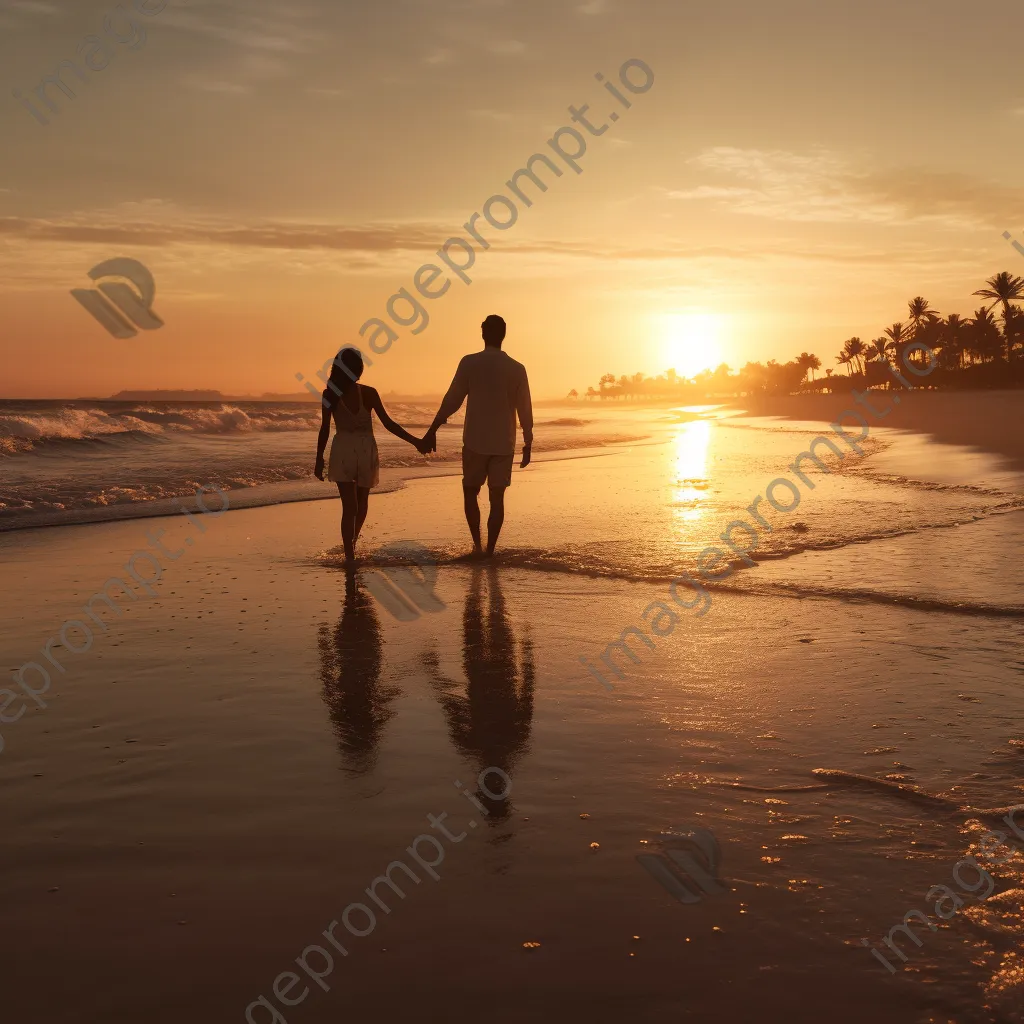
[{"x": 353, "y": 465}]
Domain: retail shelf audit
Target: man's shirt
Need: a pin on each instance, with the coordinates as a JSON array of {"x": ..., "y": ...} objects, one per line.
[{"x": 497, "y": 390}]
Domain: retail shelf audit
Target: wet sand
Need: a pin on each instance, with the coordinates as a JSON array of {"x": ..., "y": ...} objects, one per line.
[
  {"x": 234, "y": 761},
  {"x": 990, "y": 420}
]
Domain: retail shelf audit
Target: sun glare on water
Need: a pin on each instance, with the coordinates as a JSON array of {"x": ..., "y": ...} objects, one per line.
[{"x": 692, "y": 342}]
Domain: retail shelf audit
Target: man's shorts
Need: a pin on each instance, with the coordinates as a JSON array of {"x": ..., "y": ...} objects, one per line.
[{"x": 495, "y": 469}]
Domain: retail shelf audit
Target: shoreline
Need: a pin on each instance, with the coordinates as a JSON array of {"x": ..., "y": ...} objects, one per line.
[
  {"x": 988, "y": 420},
  {"x": 965, "y": 418},
  {"x": 283, "y": 492}
]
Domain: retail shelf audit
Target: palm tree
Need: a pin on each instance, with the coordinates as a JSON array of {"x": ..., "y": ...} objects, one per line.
[
  {"x": 984, "y": 341},
  {"x": 844, "y": 358},
  {"x": 897, "y": 335},
  {"x": 899, "y": 338},
  {"x": 1004, "y": 288},
  {"x": 954, "y": 341},
  {"x": 753, "y": 378},
  {"x": 574, "y": 394},
  {"x": 881, "y": 347},
  {"x": 1014, "y": 328},
  {"x": 808, "y": 363},
  {"x": 854, "y": 350},
  {"x": 920, "y": 314},
  {"x": 858, "y": 350}
]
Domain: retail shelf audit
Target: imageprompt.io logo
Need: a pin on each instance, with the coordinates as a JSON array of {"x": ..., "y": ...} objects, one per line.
[
  {"x": 691, "y": 857},
  {"x": 1013, "y": 241},
  {"x": 118, "y": 307},
  {"x": 405, "y": 591}
]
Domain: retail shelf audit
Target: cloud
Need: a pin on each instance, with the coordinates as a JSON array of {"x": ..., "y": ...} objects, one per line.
[
  {"x": 244, "y": 71},
  {"x": 215, "y": 85},
  {"x": 472, "y": 38},
  {"x": 31, "y": 7},
  {"x": 824, "y": 187},
  {"x": 255, "y": 28},
  {"x": 491, "y": 115},
  {"x": 112, "y": 229},
  {"x": 507, "y": 47},
  {"x": 13, "y": 13},
  {"x": 165, "y": 228},
  {"x": 593, "y": 7}
]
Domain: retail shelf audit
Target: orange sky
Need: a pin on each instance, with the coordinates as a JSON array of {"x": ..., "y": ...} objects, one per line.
[{"x": 796, "y": 172}]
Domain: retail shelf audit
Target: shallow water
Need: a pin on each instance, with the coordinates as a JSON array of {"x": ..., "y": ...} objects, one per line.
[
  {"x": 646, "y": 512},
  {"x": 71, "y": 462}
]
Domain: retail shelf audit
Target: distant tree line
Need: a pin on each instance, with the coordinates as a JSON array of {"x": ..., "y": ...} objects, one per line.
[{"x": 985, "y": 350}]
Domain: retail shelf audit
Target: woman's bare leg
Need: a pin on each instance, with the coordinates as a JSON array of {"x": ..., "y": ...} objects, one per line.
[
  {"x": 349, "y": 512},
  {"x": 362, "y": 507}
]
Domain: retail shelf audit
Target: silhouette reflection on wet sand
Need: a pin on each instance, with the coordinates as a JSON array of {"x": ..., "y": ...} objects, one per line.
[
  {"x": 490, "y": 722},
  {"x": 351, "y": 659},
  {"x": 489, "y": 715}
]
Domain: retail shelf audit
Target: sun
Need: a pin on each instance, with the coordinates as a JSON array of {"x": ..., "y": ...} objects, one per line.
[{"x": 692, "y": 342}]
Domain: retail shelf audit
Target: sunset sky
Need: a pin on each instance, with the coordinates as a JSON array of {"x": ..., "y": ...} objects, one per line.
[{"x": 796, "y": 173}]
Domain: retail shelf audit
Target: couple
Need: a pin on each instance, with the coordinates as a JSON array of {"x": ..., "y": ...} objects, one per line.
[{"x": 497, "y": 390}]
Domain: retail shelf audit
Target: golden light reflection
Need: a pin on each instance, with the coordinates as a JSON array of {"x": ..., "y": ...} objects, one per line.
[{"x": 691, "y": 469}]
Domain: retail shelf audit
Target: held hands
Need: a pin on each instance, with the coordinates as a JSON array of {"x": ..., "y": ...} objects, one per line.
[{"x": 428, "y": 443}]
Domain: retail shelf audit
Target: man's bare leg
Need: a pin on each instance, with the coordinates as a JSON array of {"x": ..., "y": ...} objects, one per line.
[
  {"x": 496, "y": 517},
  {"x": 473, "y": 516}
]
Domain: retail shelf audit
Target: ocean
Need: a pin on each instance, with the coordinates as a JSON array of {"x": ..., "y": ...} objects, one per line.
[{"x": 64, "y": 462}]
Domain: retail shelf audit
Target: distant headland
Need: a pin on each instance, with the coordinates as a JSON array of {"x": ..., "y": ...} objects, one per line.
[{"x": 202, "y": 395}]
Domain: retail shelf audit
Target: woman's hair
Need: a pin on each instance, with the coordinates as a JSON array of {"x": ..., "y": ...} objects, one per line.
[{"x": 346, "y": 369}]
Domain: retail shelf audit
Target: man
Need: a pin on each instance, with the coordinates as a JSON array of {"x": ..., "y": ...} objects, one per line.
[{"x": 497, "y": 390}]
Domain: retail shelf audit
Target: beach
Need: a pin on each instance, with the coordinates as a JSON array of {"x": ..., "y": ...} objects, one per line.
[
  {"x": 989, "y": 420},
  {"x": 220, "y": 777}
]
